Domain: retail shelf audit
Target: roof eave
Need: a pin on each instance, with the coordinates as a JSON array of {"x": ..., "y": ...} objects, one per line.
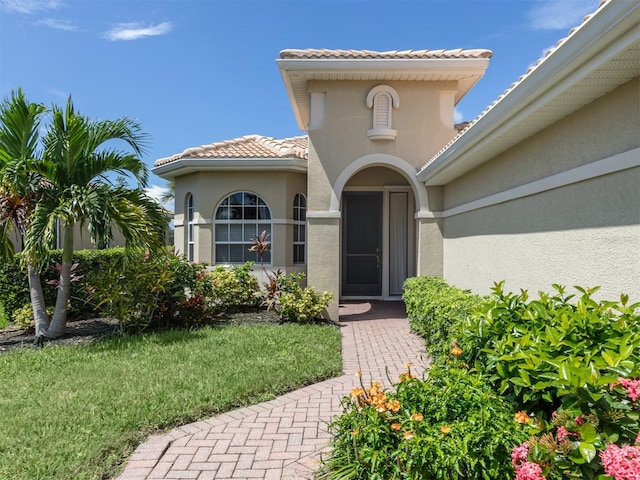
[
  {"x": 610, "y": 32},
  {"x": 185, "y": 166}
]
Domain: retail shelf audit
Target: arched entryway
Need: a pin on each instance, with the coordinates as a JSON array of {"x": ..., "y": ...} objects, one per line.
[{"x": 377, "y": 233}]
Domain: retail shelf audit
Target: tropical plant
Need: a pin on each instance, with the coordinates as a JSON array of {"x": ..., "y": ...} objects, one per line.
[
  {"x": 19, "y": 136},
  {"x": 449, "y": 426},
  {"x": 75, "y": 190}
]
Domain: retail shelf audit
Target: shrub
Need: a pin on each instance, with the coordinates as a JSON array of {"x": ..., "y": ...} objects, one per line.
[
  {"x": 158, "y": 292},
  {"x": 437, "y": 311},
  {"x": 571, "y": 364},
  {"x": 449, "y": 426},
  {"x": 545, "y": 351},
  {"x": 302, "y": 305},
  {"x": 233, "y": 288},
  {"x": 14, "y": 287},
  {"x": 23, "y": 317}
]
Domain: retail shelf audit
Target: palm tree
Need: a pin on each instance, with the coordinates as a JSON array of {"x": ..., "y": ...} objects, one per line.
[
  {"x": 78, "y": 159},
  {"x": 19, "y": 136}
]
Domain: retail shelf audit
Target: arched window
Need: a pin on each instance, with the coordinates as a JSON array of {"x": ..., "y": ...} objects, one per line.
[
  {"x": 299, "y": 228},
  {"x": 240, "y": 218},
  {"x": 190, "y": 232}
]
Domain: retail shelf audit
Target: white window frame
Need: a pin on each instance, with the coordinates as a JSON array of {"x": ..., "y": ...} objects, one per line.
[
  {"x": 229, "y": 221},
  {"x": 299, "y": 228},
  {"x": 190, "y": 228}
]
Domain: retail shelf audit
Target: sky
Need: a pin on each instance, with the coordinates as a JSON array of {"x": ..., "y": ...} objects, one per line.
[{"x": 194, "y": 72}]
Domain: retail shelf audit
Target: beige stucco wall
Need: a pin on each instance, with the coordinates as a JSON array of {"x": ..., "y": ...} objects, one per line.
[
  {"x": 424, "y": 124},
  {"x": 585, "y": 233},
  {"x": 608, "y": 126},
  {"x": 276, "y": 188}
]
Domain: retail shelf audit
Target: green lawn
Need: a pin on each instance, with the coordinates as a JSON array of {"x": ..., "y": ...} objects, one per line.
[{"x": 78, "y": 412}]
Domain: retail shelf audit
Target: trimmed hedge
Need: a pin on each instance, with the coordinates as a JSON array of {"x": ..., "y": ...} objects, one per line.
[
  {"x": 437, "y": 311},
  {"x": 14, "y": 285}
]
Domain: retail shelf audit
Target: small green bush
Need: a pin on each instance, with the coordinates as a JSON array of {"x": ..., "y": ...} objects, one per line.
[
  {"x": 23, "y": 317},
  {"x": 437, "y": 311},
  {"x": 4, "y": 318},
  {"x": 297, "y": 304},
  {"x": 233, "y": 288},
  {"x": 14, "y": 287},
  {"x": 450, "y": 426}
]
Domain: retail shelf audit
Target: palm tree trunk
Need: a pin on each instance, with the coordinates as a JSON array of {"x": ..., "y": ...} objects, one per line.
[
  {"x": 37, "y": 302},
  {"x": 59, "y": 320}
]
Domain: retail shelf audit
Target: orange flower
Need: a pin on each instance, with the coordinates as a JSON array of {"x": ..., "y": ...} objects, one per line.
[
  {"x": 522, "y": 417},
  {"x": 357, "y": 392},
  {"x": 396, "y": 426},
  {"x": 405, "y": 377},
  {"x": 379, "y": 398},
  {"x": 457, "y": 351},
  {"x": 408, "y": 365},
  {"x": 417, "y": 417},
  {"x": 408, "y": 435},
  {"x": 358, "y": 373},
  {"x": 354, "y": 432},
  {"x": 445, "y": 429},
  {"x": 381, "y": 407},
  {"x": 393, "y": 405}
]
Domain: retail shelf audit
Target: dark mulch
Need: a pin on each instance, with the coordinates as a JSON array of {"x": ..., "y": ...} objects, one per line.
[
  {"x": 83, "y": 332},
  {"x": 78, "y": 332}
]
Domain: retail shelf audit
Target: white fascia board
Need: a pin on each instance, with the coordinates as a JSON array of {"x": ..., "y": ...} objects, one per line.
[
  {"x": 385, "y": 65},
  {"x": 570, "y": 63},
  {"x": 185, "y": 166},
  {"x": 302, "y": 123}
]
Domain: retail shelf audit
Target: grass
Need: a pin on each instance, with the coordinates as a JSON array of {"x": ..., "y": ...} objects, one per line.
[{"x": 79, "y": 411}]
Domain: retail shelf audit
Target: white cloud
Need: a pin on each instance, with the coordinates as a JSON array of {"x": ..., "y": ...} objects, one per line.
[
  {"x": 560, "y": 14},
  {"x": 58, "y": 93},
  {"x": 29, "y": 6},
  {"x": 156, "y": 192},
  {"x": 134, "y": 31},
  {"x": 457, "y": 116},
  {"x": 58, "y": 24}
]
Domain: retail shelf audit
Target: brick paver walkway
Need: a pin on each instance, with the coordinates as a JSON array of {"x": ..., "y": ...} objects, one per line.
[{"x": 284, "y": 438}]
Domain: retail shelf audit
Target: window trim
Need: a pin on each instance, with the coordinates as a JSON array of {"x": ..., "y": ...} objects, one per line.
[
  {"x": 191, "y": 245},
  {"x": 380, "y": 109},
  {"x": 257, "y": 222},
  {"x": 300, "y": 220}
]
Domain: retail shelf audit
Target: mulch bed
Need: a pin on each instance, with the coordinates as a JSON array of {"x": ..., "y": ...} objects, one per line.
[
  {"x": 78, "y": 332},
  {"x": 83, "y": 332}
]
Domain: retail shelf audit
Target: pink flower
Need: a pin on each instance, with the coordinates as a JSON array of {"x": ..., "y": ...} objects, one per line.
[
  {"x": 562, "y": 433},
  {"x": 632, "y": 387},
  {"x": 519, "y": 454},
  {"x": 638, "y": 439},
  {"x": 579, "y": 420},
  {"x": 529, "y": 471},
  {"x": 622, "y": 463}
]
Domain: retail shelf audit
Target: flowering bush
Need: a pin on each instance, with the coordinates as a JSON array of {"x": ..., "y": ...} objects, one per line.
[
  {"x": 574, "y": 364},
  {"x": 449, "y": 426}
]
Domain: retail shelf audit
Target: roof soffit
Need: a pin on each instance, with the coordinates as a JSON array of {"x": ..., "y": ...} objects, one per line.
[{"x": 597, "y": 57}]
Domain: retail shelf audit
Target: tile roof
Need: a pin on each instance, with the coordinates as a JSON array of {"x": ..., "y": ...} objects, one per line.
[
  {"x": 370, "y": 54},
  {"x": 522, "y": 77},
  {"x": 249, "y": 146}
]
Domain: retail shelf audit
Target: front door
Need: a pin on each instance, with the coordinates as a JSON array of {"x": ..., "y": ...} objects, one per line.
[{"x": 362, "y": 244}]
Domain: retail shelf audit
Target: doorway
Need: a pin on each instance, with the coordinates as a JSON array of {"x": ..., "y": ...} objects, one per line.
[{"x": 362, "y": 244}]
